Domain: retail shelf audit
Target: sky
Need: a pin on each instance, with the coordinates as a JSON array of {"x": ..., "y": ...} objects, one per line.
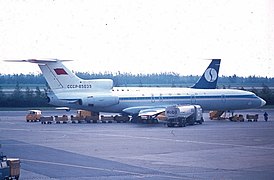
[{"x": 140, "y": 36}]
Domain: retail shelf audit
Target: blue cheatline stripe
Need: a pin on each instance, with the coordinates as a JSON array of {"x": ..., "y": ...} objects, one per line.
[{"x": 186, "y": 97}]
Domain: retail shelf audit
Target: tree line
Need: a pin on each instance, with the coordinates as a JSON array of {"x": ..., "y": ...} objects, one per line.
[
  {"x": 126, "y": 79},
  {"x": 28, "y": 97}
]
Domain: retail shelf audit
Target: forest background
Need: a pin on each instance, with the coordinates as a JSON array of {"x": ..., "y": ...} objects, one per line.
[{"x": 29, "y": 90}]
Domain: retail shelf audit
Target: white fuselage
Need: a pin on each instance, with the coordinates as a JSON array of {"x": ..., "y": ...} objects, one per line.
[{"x": 133, "y": 99}]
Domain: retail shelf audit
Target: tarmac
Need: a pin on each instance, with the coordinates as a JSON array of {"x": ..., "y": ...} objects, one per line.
[{"x": 217, "y": 149}]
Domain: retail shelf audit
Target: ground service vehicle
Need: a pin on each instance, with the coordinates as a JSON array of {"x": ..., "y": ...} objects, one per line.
[
  {"x": 83, "y": 113},
  {"x": 85, "y": 116},
  {"x": 181, "y": 115},
  {"x": 251, "y": 117},
  {"x": 9, "y": 168},
  {"x": 216, "y": 115},
  {"x": 46, "y": 119},
  {"x": 59, "y": 119},
  {"x": 33, "y": 116},
  {"x": 237, "y": 118}
]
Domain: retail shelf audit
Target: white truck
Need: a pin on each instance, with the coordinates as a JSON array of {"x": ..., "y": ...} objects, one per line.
[{"x": 182, "y": 115}]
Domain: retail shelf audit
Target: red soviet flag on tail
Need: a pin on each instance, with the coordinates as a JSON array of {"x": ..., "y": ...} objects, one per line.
[{"x": 60, "y": 71}]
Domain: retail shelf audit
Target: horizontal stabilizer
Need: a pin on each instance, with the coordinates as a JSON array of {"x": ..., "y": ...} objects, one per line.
[{"x": 37, "y": 61}]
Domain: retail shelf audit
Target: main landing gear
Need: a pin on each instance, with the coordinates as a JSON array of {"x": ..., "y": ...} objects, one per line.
[{"x": 144, "y": 120}]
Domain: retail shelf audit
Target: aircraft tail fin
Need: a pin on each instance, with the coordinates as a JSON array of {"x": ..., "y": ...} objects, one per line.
[
  {"x": 57, "y": 75},
  {"x": 210, "y": 77},
  {"x": 60, "y": 78}
]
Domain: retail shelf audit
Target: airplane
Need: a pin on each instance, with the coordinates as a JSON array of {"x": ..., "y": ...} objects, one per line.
[{"x": 99, "y": 95}]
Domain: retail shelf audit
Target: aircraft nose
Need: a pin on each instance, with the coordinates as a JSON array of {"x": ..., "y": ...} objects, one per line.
[{"x": 262, "y": 102}]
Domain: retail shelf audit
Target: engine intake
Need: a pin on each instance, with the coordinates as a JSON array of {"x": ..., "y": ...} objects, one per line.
[{"x": 100, "y": 101}]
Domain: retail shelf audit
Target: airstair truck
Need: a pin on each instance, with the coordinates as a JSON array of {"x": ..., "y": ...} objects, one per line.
[{"x": 182, "y": 115}]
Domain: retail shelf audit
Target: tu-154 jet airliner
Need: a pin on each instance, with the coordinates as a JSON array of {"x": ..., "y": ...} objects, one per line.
[{"x": 99, "y": 95}]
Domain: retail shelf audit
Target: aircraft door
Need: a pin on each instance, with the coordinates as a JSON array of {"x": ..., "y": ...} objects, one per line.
[
  {"x": 223, "y": 99},
  {"x": 152, "y": 98},
  {"x": 161, "y": 98},
  {"x": 192, "y": 99}
]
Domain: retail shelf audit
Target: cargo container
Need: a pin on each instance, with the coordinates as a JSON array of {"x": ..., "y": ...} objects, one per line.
[{"x": 9, "y": 168}]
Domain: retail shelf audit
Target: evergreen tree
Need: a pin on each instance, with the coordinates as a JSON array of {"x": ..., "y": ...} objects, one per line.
[
  {"x": 255, "y": 91},
  {"x": 29, "y": 98},
  {"x": 38, "y": 93},
  {"x": 267, "y": 94},
  {"x": 2, "y": 97},
  {"x": 16, "y": 99}
]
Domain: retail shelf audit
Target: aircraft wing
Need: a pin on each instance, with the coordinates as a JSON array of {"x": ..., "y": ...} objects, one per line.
[
  {"x": 63, "y": 108},
  {"x": 151, "y": 111}
]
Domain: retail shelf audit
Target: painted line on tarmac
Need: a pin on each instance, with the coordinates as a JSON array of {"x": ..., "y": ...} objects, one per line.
[
  {"x": 101, "y": 169},
  {"x": 165, "y": 139},
  {"x": 9, "y": 129},
  {"x": 188, "y": 141}
]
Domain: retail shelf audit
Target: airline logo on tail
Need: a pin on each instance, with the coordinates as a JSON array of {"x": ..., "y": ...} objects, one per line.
[{"x": 211, "y": 75}]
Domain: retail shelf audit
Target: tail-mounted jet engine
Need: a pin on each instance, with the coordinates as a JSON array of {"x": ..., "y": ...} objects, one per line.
[{"x": 99, "y": 101}]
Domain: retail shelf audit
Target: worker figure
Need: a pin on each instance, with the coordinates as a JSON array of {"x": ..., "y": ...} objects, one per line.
[{"x": 265, "y": 116}]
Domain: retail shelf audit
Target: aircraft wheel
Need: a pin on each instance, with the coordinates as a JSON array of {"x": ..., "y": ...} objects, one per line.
[
  {"x": 155, "y": 121},
  {"x": 180, "y": 123},
  {"x": 191, "y": 122},
  {"x": 136, "y": 119},
  {"x": 149, "y": 121},
  {"x": 184, "y": 123},
  {"x": 170, "y": 125}
]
